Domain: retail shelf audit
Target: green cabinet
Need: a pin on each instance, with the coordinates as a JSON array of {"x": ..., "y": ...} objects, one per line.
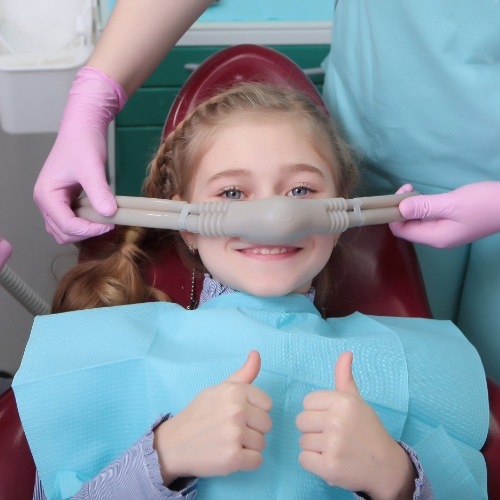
[{"x": 139, "y": 126}]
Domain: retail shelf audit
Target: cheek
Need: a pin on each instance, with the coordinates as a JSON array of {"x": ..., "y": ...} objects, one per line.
[
  {"x": 324, "y": 246},
  {"x": 211, "y": 251}
]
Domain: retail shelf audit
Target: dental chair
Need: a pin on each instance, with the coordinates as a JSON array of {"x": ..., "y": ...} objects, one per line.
[{"x": 379, "y": 274}]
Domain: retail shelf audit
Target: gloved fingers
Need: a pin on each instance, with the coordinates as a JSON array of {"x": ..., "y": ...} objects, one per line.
[
  {"x": 78, "y": 229},
  {"x": 405, "y": 188},
  {"x": 5, "y": 252},
  {"x": 436, "y": 233},
  {"x": 100, "y": 196},
  {"x": 411, "y": 230},
  {"x": 54, "y": 197},
  {"x": 68, "y": 228},
  {"x": 435, "y": 206}
]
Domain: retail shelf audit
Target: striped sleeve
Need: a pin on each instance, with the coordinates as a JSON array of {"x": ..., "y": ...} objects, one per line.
[{"x": 135, "y": 474}]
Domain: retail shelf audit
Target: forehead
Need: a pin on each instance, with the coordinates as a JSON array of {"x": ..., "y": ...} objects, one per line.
[{"x": 265, "y": 140}]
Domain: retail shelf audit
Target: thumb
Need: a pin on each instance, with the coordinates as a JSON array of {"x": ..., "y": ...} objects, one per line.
[
  {"x": 249, "y": 371},
  {"x": 425, "y": 206},
  {"x": 99, "y": 193},
  {"x": 344, "y": 381}
]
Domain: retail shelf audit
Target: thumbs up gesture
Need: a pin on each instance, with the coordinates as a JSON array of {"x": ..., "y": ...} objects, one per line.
[
  {"x": 344, "y": 442},
  {"x": 221, "y": 431}
]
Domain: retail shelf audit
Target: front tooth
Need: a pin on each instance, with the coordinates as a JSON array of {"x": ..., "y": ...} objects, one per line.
[{"x": 269, "y": 251}]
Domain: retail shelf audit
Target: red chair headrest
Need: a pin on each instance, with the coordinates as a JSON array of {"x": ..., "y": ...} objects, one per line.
[{"x": 234, "y": 65}]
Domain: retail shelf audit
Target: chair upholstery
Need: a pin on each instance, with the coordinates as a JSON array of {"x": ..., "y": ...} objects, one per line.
[
  {"x": 379, "y": 274},
  {"x": 17, "y": 469}
]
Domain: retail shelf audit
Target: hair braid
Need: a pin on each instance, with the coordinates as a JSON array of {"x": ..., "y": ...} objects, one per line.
[{"x": 115, "y": 278}]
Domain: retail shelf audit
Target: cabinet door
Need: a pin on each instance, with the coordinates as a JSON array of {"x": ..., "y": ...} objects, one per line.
[{"x": 135, "y": 148}]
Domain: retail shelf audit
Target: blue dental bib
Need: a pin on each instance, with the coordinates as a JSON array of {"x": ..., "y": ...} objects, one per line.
[{"x": 92, "y": 382}]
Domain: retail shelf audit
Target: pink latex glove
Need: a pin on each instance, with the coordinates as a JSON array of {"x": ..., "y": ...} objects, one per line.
[
  {"x": 5, "y": 252},
  {"x": 77, "y": 158},
  {"x": 450, "y": 219}
]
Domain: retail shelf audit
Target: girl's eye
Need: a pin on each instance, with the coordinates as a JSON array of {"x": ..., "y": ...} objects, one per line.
[
  {"x": 299, "y": 191},
  {"x": 231, "y": 194}
]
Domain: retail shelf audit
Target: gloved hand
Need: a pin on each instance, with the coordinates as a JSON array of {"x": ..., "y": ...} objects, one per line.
[
  {"x": 450, "y": 219},
  {"x": 77, "y": 158}
]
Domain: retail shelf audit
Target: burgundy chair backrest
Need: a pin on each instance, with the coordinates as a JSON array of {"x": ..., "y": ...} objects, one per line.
[{"x": 17, "y": 469}]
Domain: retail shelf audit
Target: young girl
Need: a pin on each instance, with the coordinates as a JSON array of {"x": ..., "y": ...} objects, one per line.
[{"x": 305, "y": 424}]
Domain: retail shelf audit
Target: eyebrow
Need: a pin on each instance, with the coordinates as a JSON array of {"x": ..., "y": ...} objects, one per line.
[
  {"x": 289, "y": 168},
  {"x": 303, "y": 167},
  {"x": 230, "y": 172}
]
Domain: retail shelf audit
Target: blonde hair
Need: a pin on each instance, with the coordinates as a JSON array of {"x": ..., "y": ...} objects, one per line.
[{"x": 118, "y": 277}]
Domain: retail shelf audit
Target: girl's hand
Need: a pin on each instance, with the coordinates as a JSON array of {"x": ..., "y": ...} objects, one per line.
[
  {"x": 345, "y": 443},
  {"x": 220, "y": 432}
]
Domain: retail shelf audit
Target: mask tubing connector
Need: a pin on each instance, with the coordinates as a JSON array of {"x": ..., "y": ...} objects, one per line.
[
  {"x": 181, "y": 221},
  {"x": 357, "y": 212}
]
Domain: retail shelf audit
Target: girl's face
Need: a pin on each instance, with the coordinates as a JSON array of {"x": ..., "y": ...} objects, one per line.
[{"x": 259, "y": 159}]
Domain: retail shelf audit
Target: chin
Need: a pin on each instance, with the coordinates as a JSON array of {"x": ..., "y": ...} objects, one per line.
[{"x": 273, "y": 290}]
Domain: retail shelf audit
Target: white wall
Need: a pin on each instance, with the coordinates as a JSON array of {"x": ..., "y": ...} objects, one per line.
[{"x": 35, "y": 256}]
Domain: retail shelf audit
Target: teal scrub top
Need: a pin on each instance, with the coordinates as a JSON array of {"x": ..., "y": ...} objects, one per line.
[{"x": 416, "y": 84}]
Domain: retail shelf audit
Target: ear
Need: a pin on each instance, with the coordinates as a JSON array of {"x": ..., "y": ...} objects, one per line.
[{"x": 190, "y": 239}]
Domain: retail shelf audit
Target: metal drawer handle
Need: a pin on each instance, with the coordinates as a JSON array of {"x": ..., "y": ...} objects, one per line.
[
  {"x": 314, "y": 71},
  {"x": 190, "y": 66}
]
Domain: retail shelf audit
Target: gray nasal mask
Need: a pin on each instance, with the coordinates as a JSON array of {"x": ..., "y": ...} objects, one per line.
[{"x": 278, "y": 219}]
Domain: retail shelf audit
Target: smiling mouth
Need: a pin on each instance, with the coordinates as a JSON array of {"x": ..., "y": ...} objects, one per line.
[{"x": 269, "y": 250}]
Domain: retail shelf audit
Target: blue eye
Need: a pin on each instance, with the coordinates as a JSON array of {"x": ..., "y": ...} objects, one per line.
[
  {"x": 232, "y": 194},
  {"x": 300, "y": 191}
]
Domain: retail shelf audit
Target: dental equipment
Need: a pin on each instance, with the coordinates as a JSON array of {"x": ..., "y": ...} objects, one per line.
[
  {"x": 19, "y": 289},
  {"x": 278, "y": 219}
]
